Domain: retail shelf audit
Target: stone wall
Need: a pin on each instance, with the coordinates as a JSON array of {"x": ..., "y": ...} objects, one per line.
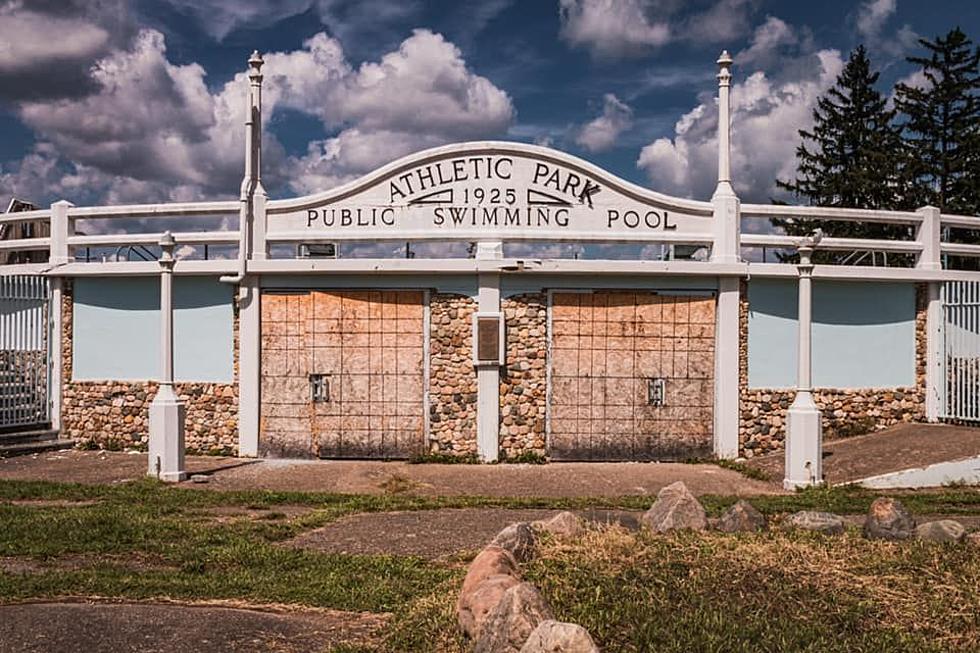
[
  {"x": 452, "y": 376},
  {"x": 523, "y": 380},
  {"x": 115, "y": 414},
  {"x": 846, "y": 412}
]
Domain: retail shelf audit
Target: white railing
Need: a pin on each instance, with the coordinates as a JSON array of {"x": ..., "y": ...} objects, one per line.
[{"x": 925, "y": 243}]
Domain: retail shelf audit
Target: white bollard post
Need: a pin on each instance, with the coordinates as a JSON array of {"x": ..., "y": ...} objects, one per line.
[
  {"x": 167, "y": 411},
  {"x": 804, "y": 432}
]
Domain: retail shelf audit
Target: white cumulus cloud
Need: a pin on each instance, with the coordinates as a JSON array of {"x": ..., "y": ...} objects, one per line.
[
  {"x": 153, "y": 130},
  {"x": 602, "y": 132},
  {"x": 766, "y": 118},
  {"x": 611, "y": 28}
]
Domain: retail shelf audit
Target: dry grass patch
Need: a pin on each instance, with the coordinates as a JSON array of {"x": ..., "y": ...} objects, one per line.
[{"x": 773, "y": 591}]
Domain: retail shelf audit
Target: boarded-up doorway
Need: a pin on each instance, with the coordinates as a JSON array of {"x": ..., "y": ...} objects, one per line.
[
  {"x": 343, "y": 374},
  {"x": 631, "y": 376}
]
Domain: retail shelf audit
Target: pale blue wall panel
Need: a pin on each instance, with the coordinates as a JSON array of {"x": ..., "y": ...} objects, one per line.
[
  {"x": 863, "y": 334},
  {"x": 116, "y": 329}
]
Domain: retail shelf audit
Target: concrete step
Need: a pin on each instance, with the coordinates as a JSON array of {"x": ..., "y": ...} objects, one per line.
[
  {"x": 25, "y": 448},
  {"x": 32, "y": 435}
]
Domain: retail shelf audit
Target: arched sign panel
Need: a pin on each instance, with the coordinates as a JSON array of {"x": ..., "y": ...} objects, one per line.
[{"x": 487, "y": 191}]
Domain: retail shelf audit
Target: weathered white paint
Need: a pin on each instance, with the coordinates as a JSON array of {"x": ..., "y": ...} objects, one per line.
[
  {"x": 928, "y": 234},
  {"x": 56, "y": 352},
  {"x": 726, "y": 206},
  {"x": 165, "y": 459},
  {"x": 490, "y": 190},
  {"x": 804, "y": 432},
  {"x": 935, "y": 386},
  {"x": 488, "y": 374},
  {"x": 956, "y": 471},
  {"x": 249, "y": 365},
  {"x": 726, "y": 408},
  {"x": 61, "y": 229}
]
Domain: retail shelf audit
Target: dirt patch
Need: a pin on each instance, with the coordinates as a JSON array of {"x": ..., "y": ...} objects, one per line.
[
  {"x": 904, "y": 446},
  {"x": 227, "y": 514},
  {"x": 52, "y": 503},
  {"x": 431, "y": 533},
  {"x": 372, "y": 477},
  {"x": 175, "y": 628},
  {"x": 77, "y": 466}
]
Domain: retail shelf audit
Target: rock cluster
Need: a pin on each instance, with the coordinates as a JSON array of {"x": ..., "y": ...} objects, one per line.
[
  {"x": 452, "y": 377},
  {"x": 818, "y": 522},
  {"x": 500, "y": 612},
  {"x": 558, "y": 637},
  {"x": 675, "y": 509},
  {"x": 523, "y": 381},
  {"x": 888, "y": 520},
  {"x": 846, "y": 412},
  {"x": 742, "y": 518}
]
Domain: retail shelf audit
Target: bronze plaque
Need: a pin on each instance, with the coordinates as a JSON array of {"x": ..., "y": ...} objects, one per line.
[{"x": 488, "y": 338}]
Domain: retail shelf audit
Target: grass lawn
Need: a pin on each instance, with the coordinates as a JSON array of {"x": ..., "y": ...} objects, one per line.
[{"x": 633, "y": 592}]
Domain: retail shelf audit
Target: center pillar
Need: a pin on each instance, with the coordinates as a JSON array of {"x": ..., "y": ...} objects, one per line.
[{"x": 488, "y": 372}]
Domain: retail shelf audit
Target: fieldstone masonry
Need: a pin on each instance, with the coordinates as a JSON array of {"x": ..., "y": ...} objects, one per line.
[
  {"x": 523, "y": 381},
  {"x": 452, "y": 376},
  {"x": 846, "y": 412},
  {"x": 115, "y": 414}
]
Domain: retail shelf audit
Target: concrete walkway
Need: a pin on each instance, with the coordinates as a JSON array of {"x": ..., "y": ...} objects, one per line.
[
  {"x": 363, "y": 477},
  {"x": 900, "y": 447}
]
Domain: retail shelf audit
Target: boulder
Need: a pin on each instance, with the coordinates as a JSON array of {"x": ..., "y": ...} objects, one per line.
[
  {"x": 812, "y": 520},
  {"x": 675, "y": 509},
  {"x": 512, "y": 620},
  {"x": 491, "y": 561},
  {"x": 518, "y": 539},
  {"x": 888, "y": 520},
  {"x": 742, "y": 518},
  {"x": 564, "y": 524},
  {"x": 476, "y": 605},
  {"x": 559, "y": 637},
  {"x": 944, "y": 530}
]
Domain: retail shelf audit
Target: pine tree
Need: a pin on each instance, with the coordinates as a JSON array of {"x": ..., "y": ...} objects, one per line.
[
  {"x": 942, "y": 123},
  {"x": 852, "y": 157}
]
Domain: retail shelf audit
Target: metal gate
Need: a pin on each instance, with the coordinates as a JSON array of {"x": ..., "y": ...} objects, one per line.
[
  {"x": 23, "y": 352},
  {"x": 961, "y": 352}
]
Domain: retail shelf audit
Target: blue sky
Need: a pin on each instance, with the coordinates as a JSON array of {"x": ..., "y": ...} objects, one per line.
[{"x": 142, "y": 101}]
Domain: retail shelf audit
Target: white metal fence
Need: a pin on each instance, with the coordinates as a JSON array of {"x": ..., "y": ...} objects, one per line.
[
  {"x": 960, "y": 378},
  {"x": 23, "y": 352}
]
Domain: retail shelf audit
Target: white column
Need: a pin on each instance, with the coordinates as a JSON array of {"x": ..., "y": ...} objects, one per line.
[
  {"x": 727, "y": 334},
  {"x": 929, "y": 235},
  {"x": 257, "y": 248},
  {"x": 804, "y": 436},
  {"x": 249, "y": 365},
  {"x": 935, "y": 385},
  {"x": 725, "y": 121},
  {"x": 488, "y": 375},
  {"x": 727, "y": 208},
  {"x": 61, "y": 228},
  {"x": 167, "y": 412},
  {"x": 56, "y": 352},
  {"x": 59, "y": 254}
]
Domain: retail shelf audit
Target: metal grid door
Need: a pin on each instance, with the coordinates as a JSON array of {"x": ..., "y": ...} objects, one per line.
[
  {"x": 961, "y": 351},
  {"x": 23, "y": 352}
]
